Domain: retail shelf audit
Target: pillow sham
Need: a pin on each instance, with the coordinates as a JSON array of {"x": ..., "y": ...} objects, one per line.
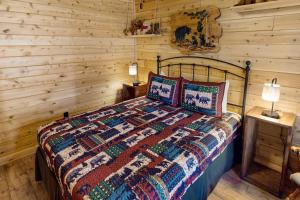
[
  {"x": 225, "y": 98},
  {"x": 203, "y": 97},
  {"x": 164, "y": 89}
]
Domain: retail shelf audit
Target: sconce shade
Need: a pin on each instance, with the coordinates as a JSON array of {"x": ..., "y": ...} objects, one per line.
[
  {"x": 271, "y": 92},
  {"x": 133, "y": 69}
]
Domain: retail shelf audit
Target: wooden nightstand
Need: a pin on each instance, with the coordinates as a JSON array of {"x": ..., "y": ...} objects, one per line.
[
  {"x": 256, "y": 170},
  {"x": 131, "y": 92}
]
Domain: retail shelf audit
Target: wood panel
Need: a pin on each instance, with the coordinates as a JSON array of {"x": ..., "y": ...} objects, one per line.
[
  {"x": 57, "y": 56},
  {"x": 270, "y": 39},
  {"x": 270, "y": 145}
]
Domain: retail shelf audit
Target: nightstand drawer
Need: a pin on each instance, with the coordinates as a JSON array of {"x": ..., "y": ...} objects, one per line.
[{"x": 141, "y": 91}]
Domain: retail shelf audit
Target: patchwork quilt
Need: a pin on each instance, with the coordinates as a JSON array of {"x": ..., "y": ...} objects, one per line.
[{"x": 138, "y": 149}]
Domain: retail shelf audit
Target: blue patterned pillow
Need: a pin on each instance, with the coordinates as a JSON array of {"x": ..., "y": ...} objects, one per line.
[
  {"x": 203, "y": 97},
  {"x": 164, "y": 89}
]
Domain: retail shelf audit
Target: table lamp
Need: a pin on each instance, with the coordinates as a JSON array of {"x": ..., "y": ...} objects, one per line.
[
  {"x": 133, "y": 71},
  {"x": 271, "y": 93}
]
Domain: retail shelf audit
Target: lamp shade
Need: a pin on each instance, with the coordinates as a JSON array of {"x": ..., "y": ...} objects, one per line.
[
  {"x": 271, "y": 92},
  {"x": 133, "y": 69}
]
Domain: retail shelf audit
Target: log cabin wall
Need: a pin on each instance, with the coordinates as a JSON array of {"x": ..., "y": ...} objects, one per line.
[
  {"x": 57, "y": 56},
  {"x": 269, "y": 38}
]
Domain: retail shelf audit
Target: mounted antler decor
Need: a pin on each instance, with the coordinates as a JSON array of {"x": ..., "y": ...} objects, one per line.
[{"x": 196, "y": 30}]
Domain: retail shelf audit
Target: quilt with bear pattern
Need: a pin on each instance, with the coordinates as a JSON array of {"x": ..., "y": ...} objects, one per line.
[{"x": 138, "y": 149}]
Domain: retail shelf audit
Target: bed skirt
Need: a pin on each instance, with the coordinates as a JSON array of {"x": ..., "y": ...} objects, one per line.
[{"x": 199, "y": 190}]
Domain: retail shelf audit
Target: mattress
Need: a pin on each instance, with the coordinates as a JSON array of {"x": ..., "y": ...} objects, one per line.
[{"x": 138, "y": 149}]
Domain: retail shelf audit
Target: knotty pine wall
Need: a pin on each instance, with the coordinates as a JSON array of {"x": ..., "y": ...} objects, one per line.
[
  {"x": 57, "y": 56},
  {"x": 270, "y": 39}
]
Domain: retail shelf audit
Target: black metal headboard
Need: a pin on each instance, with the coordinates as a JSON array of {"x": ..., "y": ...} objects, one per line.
[{"x": 245, "y": 71}]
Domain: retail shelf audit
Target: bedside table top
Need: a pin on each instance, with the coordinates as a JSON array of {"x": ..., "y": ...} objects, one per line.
[
  {"x": 286, "y": 119},
  {"x": 131, "y": 84}
]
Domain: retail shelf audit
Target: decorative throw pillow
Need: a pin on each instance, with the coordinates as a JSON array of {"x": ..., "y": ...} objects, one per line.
[
  {"x": 164, "y": 89},
  {"x": 202, "y": 97}
]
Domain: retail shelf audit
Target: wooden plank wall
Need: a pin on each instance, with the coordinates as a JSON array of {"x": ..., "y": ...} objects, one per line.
[
  {"x": 270, "y": 39},
  {"x": 57, "y": 56}
]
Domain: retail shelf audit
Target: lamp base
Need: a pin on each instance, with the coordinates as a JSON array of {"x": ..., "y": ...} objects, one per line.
[{"x": 272, "y": 114}]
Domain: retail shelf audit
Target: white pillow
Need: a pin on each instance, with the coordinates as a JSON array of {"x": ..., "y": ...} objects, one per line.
[{"x": 224, "y": 102}]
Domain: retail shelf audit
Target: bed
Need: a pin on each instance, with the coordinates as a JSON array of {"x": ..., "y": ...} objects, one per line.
[{"x": 140, "y": 149}]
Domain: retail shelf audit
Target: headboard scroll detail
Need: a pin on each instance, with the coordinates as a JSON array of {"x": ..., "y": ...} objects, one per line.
[{"x": 245, "y": 72}]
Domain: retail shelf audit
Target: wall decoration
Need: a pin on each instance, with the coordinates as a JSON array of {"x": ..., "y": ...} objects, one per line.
[
  {"x": 142, "y": 27},
  {"x": 246, "y": 2},
  {"x": 196, "y": 30},
  {"x": 142, "y": 4},
  {"x": 135, "y": 27}
]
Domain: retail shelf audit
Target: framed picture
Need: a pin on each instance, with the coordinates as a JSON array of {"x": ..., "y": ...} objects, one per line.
[{"x": 196, "y": 30}]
